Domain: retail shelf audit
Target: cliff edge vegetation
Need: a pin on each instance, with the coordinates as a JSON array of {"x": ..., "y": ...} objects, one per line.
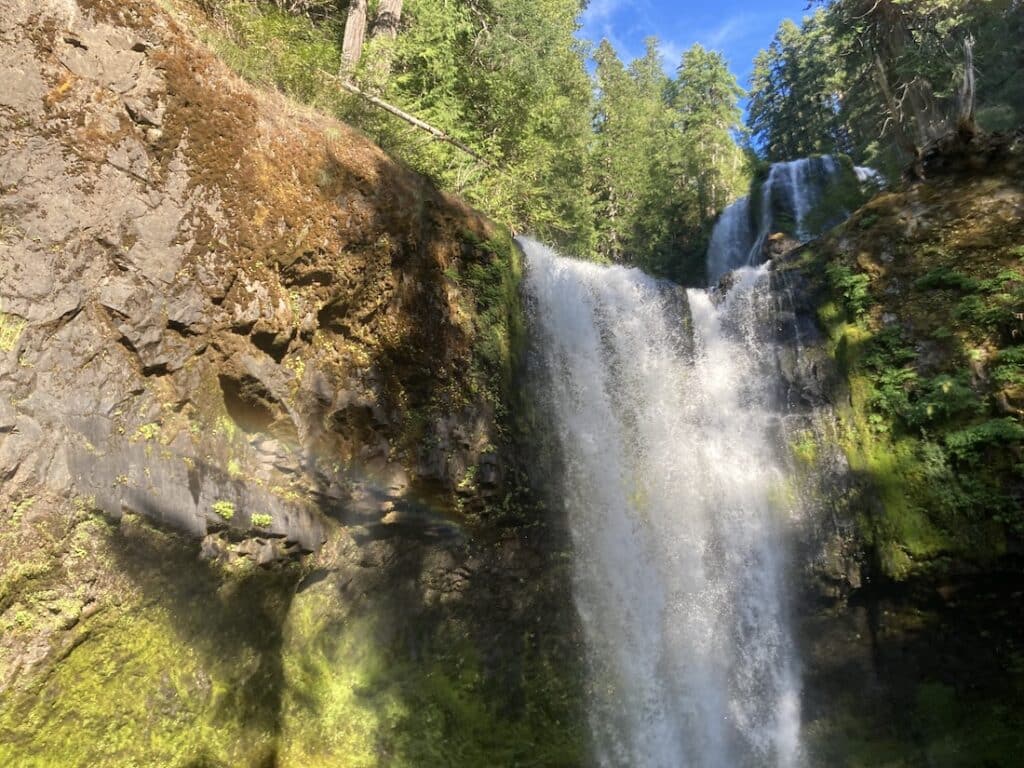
[{"x": 912, "y": 635}]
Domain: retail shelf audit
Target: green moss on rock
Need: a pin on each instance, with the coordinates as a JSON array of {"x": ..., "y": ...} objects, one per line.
[
  {"x": 160, "y": 660},
  {"x": 373, "y": 689},
  {"x": 917, "y": 300}
]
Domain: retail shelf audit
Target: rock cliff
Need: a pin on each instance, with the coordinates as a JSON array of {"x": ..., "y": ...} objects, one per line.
[
  {"x": 263, "y": 495},
  {"x": 900, "y": 333}
]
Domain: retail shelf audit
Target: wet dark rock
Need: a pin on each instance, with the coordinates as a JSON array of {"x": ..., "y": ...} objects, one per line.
[{"x": 488, "y": 473}]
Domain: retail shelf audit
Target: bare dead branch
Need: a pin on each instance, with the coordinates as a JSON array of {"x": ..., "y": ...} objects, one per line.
[
  {"x": 437, "y": 133},
  {"x": 965, "y": 122}
]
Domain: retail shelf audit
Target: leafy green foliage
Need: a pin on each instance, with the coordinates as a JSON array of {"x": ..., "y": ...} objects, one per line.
[
  {"x": 630, "y": 118},
  {"x": 852, "y": 287},
  {"x": 891, "y": 395},
  {"x": 998, "y": 312},
  {"x": 924, "y": 421},
  {"x": 886, "y": 359},
  {"x": 278, "y": 49},
  {"x": 948, "y": 279},
  {"x": 507, "y": 78},
  {"x": 899, "y": 395},
  {"x": 942, "y": 399},
  {"x": 224, "y": 508},
  {"x": 627, "y": 165},
  {"x": 1008, "y": 367},
  {"x": 989, "y": 305},
  {"x": 970, "y": 443}
]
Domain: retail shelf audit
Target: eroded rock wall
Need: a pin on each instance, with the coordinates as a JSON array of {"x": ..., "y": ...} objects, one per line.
[
  {"x": 901, "y": 367},
  {"x": 263, "y": 500}
]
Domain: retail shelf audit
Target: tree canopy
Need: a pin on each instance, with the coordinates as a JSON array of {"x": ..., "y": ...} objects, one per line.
[
  {"x": 620, "y": 160},
  {"x": 879, "y": 79},
  {"x": 608, "y": 159}
]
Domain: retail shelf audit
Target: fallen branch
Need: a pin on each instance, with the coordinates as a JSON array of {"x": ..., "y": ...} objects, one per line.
[{"x": 437, "y": 133}]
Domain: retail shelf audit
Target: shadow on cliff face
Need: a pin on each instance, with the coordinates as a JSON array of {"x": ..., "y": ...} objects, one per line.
[
  {"x": 424, "y": 635},
  {"x": 425, "y": 652},
  {"x": 440, "y": 629},
  {"x": 924, "y": 671},
  {"x": 227, "y": 638},
  {"x": 343, "y": 321},
  {"x": 919, "y": 673}
]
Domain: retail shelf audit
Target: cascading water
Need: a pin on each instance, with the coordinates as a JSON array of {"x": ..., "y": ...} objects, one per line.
[
  {"x": 792, "y": 189},
  {"x": 675, "y": 500},
  {"x": 664, "y": 401},
  {"x": 732, "y": 240}
]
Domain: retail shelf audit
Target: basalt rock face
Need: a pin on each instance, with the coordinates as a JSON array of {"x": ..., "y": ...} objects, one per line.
[
  {"x": 900, "y": 359},
  {"x": 262, "y": 500}
]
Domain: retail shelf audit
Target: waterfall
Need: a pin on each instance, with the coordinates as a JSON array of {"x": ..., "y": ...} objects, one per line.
[
  {"x": 732, "y": 236},
  {"x": 790, "y": 191},
  {"x": 677, "y": 500}
]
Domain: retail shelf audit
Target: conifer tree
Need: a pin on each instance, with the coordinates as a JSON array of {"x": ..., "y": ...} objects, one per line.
[
  {"x": 705, "y": 97},
  {"x": 880, "y": 80}
]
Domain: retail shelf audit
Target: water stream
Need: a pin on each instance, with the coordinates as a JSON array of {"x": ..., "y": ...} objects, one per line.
[
  {"x": 677, "y": 497},
  {"x": 791, "y": 189}
]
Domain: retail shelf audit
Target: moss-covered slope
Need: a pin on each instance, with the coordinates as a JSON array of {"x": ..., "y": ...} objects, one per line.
[
  {"x": 924, "y": 309},
  {"x": 914, "y": 651}
]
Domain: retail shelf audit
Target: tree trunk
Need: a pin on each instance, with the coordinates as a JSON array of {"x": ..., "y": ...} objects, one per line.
[
  {"x": 965, "y": 122},
  {"x": 389, "y": 14},
  {"x": 355, "y": 34},
  {"x": 385, "y": 25},
  {"x": 896, "y": 119}
]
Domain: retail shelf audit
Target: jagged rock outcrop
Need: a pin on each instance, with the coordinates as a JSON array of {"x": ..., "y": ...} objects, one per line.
[
  {"x": 188, "y": 274},
  {"x": 261, "y": 497}
]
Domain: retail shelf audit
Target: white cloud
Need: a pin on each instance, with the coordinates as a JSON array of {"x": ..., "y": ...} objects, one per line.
[
  {"x": 624, "y": 51},
  {"x": 732, "y": 29},
  {"x": 599, "y": 10},
  {"x": 602, "y": 21},
  {"x": 671, "y": 54}
]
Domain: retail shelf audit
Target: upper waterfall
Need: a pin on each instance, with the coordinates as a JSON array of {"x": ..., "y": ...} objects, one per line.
[{"x": 787, "y": 199}]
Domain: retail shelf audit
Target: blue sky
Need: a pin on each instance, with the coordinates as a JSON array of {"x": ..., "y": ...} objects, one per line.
[{"x": 737, "y": 28}]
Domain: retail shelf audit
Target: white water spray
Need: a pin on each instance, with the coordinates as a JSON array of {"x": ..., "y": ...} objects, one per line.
[
  {"x": 676, "y": 492},
  {"x": 677, "y": 506}
]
